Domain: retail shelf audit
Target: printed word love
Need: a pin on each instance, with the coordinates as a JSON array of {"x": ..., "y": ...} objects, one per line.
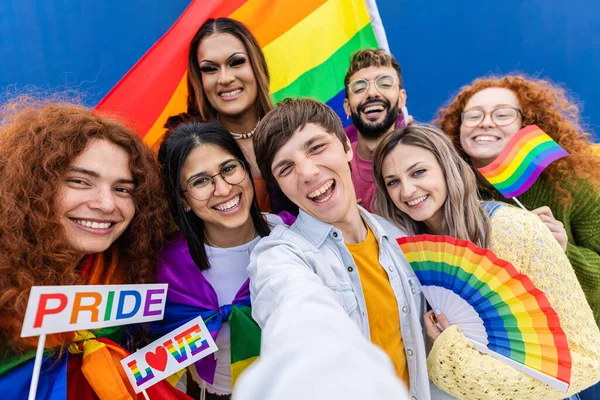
[
  {"x": 169, "y": 354},
  {"x": 54, "y": 309}
]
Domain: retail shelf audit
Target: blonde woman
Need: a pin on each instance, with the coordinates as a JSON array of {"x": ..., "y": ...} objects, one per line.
[{"x": 424, "y": 186}]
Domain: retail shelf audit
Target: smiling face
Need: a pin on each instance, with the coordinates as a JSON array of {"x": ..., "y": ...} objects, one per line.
[
  {"x": 484, "y": 142},
  {"x": 95, "y": 202},
  {"x": 375, "y": 110},
  {"x": 312, "y": 171},
  {"x": 229, "y": 205},
  {"x": 227, "y": 76},
  {"x": 416, "y": 184}
]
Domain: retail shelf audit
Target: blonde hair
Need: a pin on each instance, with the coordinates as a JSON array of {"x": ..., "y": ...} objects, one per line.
[{"x": 464, "y": 217}]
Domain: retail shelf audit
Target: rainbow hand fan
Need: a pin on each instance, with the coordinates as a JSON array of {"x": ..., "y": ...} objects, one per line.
[
  {"x": 497, "y": 308},
  {"x": 522, "y": 161}
]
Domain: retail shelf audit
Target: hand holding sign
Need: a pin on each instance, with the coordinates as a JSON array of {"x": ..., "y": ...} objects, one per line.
[{"x": 169, "y": 354}]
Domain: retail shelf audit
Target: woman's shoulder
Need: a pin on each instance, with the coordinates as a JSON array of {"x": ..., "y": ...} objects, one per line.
[
  {"x": 507, "y": 214},
  {"x": 516, "y": 230}
]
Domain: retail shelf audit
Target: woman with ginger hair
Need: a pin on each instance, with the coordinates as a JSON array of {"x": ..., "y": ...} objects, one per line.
[
  {"x": 82, "y": 203},
  {"x": 482, "y": 119}
]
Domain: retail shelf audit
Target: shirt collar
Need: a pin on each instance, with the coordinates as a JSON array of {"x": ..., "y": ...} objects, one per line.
[{"x": 316, "y": 231}]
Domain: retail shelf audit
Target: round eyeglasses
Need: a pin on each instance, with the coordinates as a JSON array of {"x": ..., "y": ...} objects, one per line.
[
  {"x": 382, "y": 82},
  {"x": 501, "y": 116},
  {"x": 202, "y": 186}
]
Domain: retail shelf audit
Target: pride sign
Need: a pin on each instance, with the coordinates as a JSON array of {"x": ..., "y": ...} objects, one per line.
[
  {"x": 54, "y": 309},
  {"x": 169, "y": 354}
]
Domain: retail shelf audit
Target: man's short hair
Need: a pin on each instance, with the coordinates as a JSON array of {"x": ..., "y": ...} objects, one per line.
[
  {"x": 279, "y": 125},
  {"x": 371, "y": 58}
]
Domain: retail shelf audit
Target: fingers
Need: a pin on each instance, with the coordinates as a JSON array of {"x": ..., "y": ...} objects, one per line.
[
  {"x": 441, "y": 318},
  {"x": 435, "y": 324},
  {"x": 557, "y": 229},
  {"x": 552, "y": 223},
  {"x": 433, "y": 332},
  {"x": 429, "y": 319},
  {"x": 544, "y": 210}
]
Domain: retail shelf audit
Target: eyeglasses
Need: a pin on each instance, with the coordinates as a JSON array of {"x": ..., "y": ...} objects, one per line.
[
  {"x": 500, "y": 116},
  {"x": 382, "y": 82},
  {"x": 202, "y": 187}
]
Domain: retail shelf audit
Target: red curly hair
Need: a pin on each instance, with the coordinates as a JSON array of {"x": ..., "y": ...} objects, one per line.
[
  {"x": 38, "y": 141},
  {"x": 545, "y": 105}
]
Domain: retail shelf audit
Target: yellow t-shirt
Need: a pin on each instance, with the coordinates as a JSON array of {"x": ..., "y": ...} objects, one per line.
[{"x": 384, "y": 319}]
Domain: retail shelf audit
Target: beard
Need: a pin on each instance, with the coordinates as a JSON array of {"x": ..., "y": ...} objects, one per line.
[{"x": 373, "y": 130}]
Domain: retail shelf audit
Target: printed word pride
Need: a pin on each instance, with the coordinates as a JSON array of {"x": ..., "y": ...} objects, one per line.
[{"x": 54, "y": 309}]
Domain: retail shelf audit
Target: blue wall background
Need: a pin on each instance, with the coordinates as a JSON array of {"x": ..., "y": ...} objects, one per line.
[{"x": 441, "y": 45}]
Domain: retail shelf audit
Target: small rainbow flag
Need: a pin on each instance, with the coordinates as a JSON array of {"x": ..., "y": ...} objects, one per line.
[
  {"x": 497, "y": 308},
  {"x": 522, "y": 161},
  {"x": 307, "y": 45}
]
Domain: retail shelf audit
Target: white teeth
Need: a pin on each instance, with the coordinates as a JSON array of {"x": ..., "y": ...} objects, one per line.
[
  {"x": 320, "y": 190},
  {"x": 485, "y": 138},
  {"x": 231, "y": 94},
  {"x": 417, "y": 200},
  {"x": 93, "y": 224},
  {"x": 373, "y": 108},
  {"x": 229, "y": 205}
]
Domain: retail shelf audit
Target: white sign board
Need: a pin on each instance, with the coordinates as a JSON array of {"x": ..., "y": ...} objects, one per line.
[
  {"x": 169, "y": 354},
  {"x": 55, "y": 309}
]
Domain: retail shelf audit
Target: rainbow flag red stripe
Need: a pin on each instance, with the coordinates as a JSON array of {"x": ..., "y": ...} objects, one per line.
[
  {"x": 307, "y": 45},
  {"x": 522, "y": 161}
]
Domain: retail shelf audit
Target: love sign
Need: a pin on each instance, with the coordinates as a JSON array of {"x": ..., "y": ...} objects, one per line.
[
  {"x": 54, "y": 309},
  {"x": 169, "y": 354}
]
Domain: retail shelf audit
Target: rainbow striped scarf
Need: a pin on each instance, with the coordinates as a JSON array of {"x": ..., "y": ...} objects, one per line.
[
  {"x": 90, "y": 370},
  {"x": 190, "y": 295}
]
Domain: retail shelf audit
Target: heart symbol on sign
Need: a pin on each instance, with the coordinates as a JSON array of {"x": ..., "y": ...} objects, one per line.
[{"x": 158, "y": 359}]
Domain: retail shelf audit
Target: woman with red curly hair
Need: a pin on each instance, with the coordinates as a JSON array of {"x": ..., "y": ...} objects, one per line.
[
  {"x": 483, "y": 118},
  {"x": 82, "y": 203}
]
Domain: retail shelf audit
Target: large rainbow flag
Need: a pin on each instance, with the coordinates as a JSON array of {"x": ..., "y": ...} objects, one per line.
[{"x": 307, "y": 45}]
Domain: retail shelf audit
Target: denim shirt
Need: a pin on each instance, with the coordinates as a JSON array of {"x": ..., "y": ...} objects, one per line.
[{"x": 278, "y": 271}]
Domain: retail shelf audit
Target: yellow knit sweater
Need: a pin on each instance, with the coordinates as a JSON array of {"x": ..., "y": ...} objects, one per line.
[{"x": 455, "y": 367}]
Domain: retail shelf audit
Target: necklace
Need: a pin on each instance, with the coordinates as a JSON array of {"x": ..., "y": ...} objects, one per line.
[
  {"x": 360, "y": 176},
  {"x": 247, "y": 135}
]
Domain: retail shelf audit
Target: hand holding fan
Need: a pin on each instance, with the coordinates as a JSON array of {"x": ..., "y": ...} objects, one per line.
[{"x": 497, "y": 308}]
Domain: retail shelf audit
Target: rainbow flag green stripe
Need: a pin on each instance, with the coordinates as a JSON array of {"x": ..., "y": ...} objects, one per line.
[
  {"x": 245, "y": 340},
  {"x": 324, "y": 81}
]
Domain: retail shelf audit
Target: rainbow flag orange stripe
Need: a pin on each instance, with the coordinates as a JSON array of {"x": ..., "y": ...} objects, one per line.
[
  {"x": 307, "y": 46},
  {"x": 520, "y": 322},
  {"x": 522, "y": 161}
]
